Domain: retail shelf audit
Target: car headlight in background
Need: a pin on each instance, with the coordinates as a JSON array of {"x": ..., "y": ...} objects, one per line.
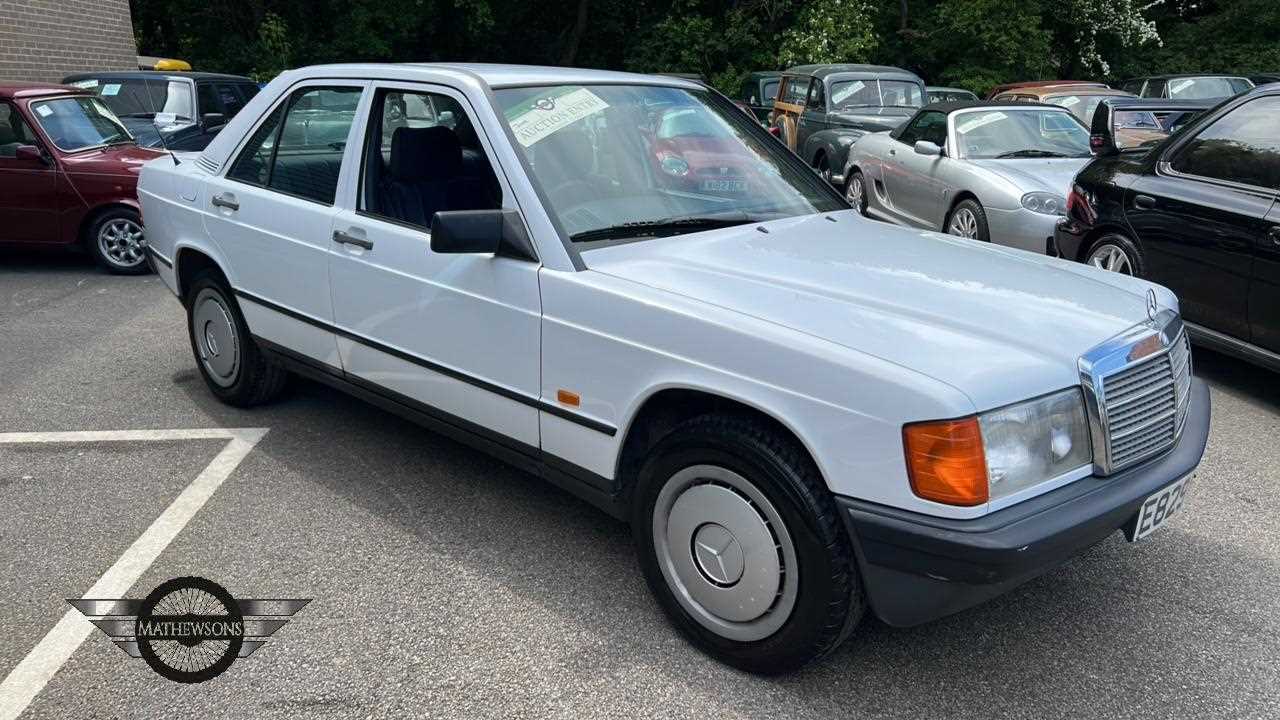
[
  {"x": 1044, "y": 203},
  {"x": 974, "y": 460},
  {"x": 674, "y": 165}
]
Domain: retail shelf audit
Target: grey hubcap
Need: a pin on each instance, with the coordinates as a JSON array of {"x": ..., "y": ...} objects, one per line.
[
  {"x": 725, "y": 552},
  {"x": 122, "y": 242},
  {"x": 963, "y": 223},
  {"x": 215, "y": 336},
  {"x": 856, "y": 194},
  {"x": 1111, "y": 257}
]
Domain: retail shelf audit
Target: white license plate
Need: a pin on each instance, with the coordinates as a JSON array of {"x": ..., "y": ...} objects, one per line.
[
  {"x": 724, "y": 186},
  {"x": 1157, "y": 509}
]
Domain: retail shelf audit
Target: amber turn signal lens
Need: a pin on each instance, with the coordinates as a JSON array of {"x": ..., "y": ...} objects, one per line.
[
  {"x": 945, "y": 461},
  {"x": 568, "y": 397}
]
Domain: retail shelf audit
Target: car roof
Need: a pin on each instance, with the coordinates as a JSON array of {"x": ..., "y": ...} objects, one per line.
[
  {"x": 1177, "y": 76},
  {"x": 19, "y": 89},
  {"x": 1050, "y": 90},
  {"x": 153, "y": 75},
  {"x": 944, "y": 88},
  {"x": 823, "y": 71},
  {"x": 494, "y": 75}
]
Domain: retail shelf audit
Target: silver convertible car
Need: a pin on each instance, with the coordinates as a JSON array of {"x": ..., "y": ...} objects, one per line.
[{"x": 993, "y": 171}]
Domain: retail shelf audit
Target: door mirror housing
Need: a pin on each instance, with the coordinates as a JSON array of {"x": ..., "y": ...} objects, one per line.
[
  {"x": 924, "y": 147},
  {"x": 212, "y": 120},
  {"x": 497, "y": 232},
  {"x": 30, "y": 154}
]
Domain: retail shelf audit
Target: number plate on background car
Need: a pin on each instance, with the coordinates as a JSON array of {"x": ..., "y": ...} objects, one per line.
[
  {"x": 1157, "y": 509},
  {"x": 724, "y": 186}
]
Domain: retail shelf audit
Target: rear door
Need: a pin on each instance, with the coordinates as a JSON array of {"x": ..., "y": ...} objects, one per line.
[
  {"x": 1204, "y": 213},
  {"x": 271, "y": 215},
  {"x": 28, "y": 197}
]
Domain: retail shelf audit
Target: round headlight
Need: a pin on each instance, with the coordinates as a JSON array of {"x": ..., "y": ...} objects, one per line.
[{"x": 674, "y": 165}]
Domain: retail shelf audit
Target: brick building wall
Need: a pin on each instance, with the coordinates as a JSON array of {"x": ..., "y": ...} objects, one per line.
[{"x": 45, "y": 40}]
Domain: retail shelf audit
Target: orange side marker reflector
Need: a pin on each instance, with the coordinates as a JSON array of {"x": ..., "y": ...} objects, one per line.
[
  {"x": 945, "y": 461},
  {"x": 568, "y": 398}
]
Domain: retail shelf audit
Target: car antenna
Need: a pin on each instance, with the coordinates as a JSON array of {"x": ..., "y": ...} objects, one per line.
[{"x": 151, "y": 100}]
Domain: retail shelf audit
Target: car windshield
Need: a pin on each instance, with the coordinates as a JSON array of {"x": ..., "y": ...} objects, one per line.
[
  {"x": 1082, "y": 106},
  {"x": 1020, "y": 133},
  {"x": 951, "y": 96},
  {"x": 623, "y": 162},
  {"x": 875, "y": 93},
  {"x": 76, "y": 123},
  {"x": 1208, "y": 88},
  {"x": 158, "y": 98}
]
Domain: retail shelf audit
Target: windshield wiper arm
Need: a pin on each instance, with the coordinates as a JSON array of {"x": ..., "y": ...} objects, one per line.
[
  {"x": 1032, "y": 153},
  {"x": 664, "y": 226}
]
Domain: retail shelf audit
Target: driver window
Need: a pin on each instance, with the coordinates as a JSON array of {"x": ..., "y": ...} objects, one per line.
[
  {"x": 14, "y": 131},
  {"x": 422, "y": 155},
  {"x": 816, "y": 99}
]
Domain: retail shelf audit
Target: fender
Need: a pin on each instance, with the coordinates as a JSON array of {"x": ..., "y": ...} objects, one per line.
[{"x": 834, "y": 143}]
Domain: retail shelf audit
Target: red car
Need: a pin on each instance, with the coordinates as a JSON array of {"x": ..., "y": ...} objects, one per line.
[
  {"x": 69, "y": 175},
  {"x": 691, "y": 155}
]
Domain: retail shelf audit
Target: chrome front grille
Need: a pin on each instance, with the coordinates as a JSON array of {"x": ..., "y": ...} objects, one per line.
[{"x": 1137, "y": 389}]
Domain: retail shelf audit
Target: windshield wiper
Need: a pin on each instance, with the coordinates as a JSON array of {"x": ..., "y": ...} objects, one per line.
[
  {"x": 1032, "y": 154},
  {"x": 664, "y": 226}
]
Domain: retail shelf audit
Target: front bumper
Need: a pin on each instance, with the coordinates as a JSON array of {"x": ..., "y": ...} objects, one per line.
[
  {"x": 1020, "y": 228},
  {"x": 917, "y": 568},
  {"x": 1069, "y": 236}
]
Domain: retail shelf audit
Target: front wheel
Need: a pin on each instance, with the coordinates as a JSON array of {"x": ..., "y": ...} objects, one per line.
[
  {"x": 1116, "y": 253},
  {"x": 968, "y": 219},
  {"x": 232, "y": 364},
  {"x": 823, "y": 166},
  {"x": 742, "y": 546},
  {"x": 117, "y": 241},
  {"x": 855, "y": 191}
]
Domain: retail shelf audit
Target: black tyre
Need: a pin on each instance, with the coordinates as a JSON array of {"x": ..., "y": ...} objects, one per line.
[
  {"x": 968, "y": 219},
  {"x": 233, "y": 366},
  {"x": 1116, "y": 253},
  {"x": 823, "y": 166},
  {"x": 855, "y": 191},
  {"x": 116, "y": 239},
  {"x": 741, "y": 543}
]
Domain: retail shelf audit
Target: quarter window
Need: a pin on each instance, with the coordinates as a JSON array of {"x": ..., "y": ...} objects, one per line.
[
  {"x": 1241, "y": 146},
  {"x": 298, "y": 149}
]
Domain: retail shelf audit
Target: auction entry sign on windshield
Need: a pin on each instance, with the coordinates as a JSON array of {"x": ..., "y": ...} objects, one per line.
[{"x": 543, "y": 115}]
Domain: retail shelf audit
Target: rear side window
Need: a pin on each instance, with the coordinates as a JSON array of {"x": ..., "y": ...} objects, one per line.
[
  {"x": 298, "y": 149},
  {"x": 1241, "y": 146},
  {"x": 795, "y": 91}
]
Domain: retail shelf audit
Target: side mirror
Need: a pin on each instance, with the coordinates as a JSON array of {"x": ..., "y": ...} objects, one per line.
[
  {"x": 30, "y": 154},
  {"x": 924, "y": 147},
  {"x": 212, "y": 120},
  {"x": 498, "y": 232}
]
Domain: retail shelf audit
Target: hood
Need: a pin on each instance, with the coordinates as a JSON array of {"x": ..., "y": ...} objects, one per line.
[
  {"x": 999, "y": 325},
  {"x": 1031, "y": 174},
  {"x": 873, "y": 118},
  {"x": 112, "y": 160}
]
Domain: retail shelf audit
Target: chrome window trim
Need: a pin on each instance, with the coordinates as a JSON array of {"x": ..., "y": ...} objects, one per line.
[{"x": 1112, "y": 356}]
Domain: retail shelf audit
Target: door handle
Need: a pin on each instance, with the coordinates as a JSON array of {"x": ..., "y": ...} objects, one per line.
[
  {"x": 225, "y": 200},
  {"x": 347, "y": 239},
  {"x": 1144, "y": 202}
]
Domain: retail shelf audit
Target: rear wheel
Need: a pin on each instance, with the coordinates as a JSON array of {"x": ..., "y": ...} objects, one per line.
[
  {"x": 1116, "y": 253},
  {"x": 855, "y": 191},
  {"x": 968, "y": 219},
  {"x": 233, "y": 366},
  {"x": 741, "y": 544},
  {"x": 117, "y": 241}
]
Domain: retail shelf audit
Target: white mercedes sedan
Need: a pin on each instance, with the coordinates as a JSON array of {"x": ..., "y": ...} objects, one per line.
[{"x": 624, "y": 285}]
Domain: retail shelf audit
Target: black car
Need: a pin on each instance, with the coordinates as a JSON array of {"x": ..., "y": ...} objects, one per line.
[
  {"x": 822, "y": 109},
  {"x": 1264, "y": 78},
  {"x": 1197, "y": 213},
  {"x": 758, "y": 92},
  {"x": 1187, "y": 87},
  {"x": 186, "y": 108}
]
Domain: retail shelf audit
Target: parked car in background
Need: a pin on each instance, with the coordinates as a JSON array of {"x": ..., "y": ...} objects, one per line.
[
  {"x": 1125, "y": 124},
  {"x": 147, "y": 62},
  {"x": 1001, "y": 89},
  {"x": 822, "y": 109},
  {"x": 1264, "y": 78},
  {"x": 948, "y": 94},
  {"x": 1081, "y": 100},
  {"x": 1198, "y": 214},
  {"x": 805, "y": 417},
  {"x": 991, "y": 171},
  {"x": 178, "y": 111},
  {"x": 1187, "y": 87},
  {"x": 758, "y": 92},
  {"x": 68, "y": 175}
]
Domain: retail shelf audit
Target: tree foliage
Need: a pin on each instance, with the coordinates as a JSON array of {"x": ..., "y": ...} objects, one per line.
[{"x": 970, "y": 43}]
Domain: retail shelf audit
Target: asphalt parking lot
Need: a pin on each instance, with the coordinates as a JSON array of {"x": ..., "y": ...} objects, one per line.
[{"x": 446, "y": 584}]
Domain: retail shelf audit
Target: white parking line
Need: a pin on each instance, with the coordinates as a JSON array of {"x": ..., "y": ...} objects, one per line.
[{"x": 26, "y": 680}]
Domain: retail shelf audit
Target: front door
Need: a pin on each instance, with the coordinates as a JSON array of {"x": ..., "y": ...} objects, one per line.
[
  {"x": 917, "y": 189},
  {"x": 272, "y": 216},
  {"x": 28, "y": 197},
  {"x": 812, "y": 119},
  {"x": 456, "y": 333},
  {"x": 1203, "y": 212},
  {"x": 1264, "y": 291}
]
